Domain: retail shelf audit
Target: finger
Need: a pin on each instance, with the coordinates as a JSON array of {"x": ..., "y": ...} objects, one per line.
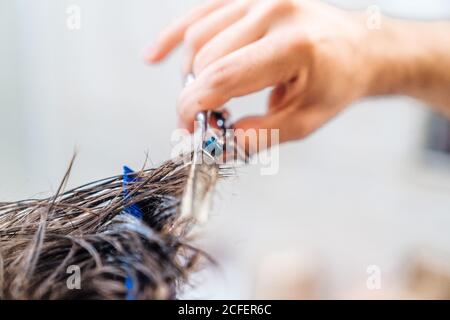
[
  {"x": 174, "y": 33},
  {"x": 190, "y": 126},
  {"x": 262, "y": 64},
  {"x": 245, "y": 31},
  {"x": 208, "y": 27},
  {"x": 256, "y": 133},
  {"x": 291, "y": 123},
  {"x": 183, "y": 125}
]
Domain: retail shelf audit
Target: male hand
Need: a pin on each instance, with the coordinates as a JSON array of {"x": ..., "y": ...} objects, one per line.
[{"x": 318, "y": 59}]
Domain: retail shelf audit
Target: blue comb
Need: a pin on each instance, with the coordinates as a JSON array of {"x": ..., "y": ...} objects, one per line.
[
  {"x": 129, "y": 178},
  {"x": 129, "y": 284},
  {"x": 134, "y": 210}
]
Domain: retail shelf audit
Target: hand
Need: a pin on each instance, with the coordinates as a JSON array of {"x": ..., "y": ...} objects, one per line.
[{"x": 317, "y": 58}]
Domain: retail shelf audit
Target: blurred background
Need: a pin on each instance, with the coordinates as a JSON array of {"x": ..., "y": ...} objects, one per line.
[{"x": 366, "y": 196}]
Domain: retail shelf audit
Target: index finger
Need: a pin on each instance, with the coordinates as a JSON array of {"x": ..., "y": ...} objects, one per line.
[
  {"x": 264, "y": 63},
  {"x": 173, "y": 35}
]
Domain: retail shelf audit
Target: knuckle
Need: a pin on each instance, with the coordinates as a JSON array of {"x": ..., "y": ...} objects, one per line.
[
  {"x": 219, "y": 77},
  {"x": 287, "y": 5},
  {"x": 279, "y": 6},
  {"x": 302, "y": 45}
]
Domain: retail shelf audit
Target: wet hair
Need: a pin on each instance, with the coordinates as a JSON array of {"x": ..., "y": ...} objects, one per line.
[{"x": 122, "y": 236}]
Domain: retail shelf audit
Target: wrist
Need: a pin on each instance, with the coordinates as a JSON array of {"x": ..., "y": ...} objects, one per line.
[
  {"x": 402, "y": 57},
  {"x": 386, "y": 63}
]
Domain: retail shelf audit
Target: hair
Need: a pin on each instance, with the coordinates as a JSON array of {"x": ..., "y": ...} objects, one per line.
[{"x": 94, "y": 229}]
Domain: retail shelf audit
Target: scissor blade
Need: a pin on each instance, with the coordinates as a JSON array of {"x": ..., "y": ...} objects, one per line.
[{"x": 199, "y": 190}]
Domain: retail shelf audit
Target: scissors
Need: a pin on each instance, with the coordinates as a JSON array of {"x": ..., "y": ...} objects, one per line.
[
  {"x": 204, "y": 170},
  {"x": 211, "y": 127}
]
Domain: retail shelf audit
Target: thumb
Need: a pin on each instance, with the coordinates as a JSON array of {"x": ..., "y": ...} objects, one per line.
[
  {"x": 256, "y": 133},
  {"x": 290, "y": 123}
]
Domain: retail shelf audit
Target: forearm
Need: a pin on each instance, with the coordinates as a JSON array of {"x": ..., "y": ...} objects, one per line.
[{"x": 412, "y": 58}]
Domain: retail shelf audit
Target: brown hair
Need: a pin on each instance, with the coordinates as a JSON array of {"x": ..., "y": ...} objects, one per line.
[{"x": 118, "y": 255}]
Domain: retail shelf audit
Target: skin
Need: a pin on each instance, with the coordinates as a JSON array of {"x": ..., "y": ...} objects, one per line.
[{"x": 317, "y": 58}]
